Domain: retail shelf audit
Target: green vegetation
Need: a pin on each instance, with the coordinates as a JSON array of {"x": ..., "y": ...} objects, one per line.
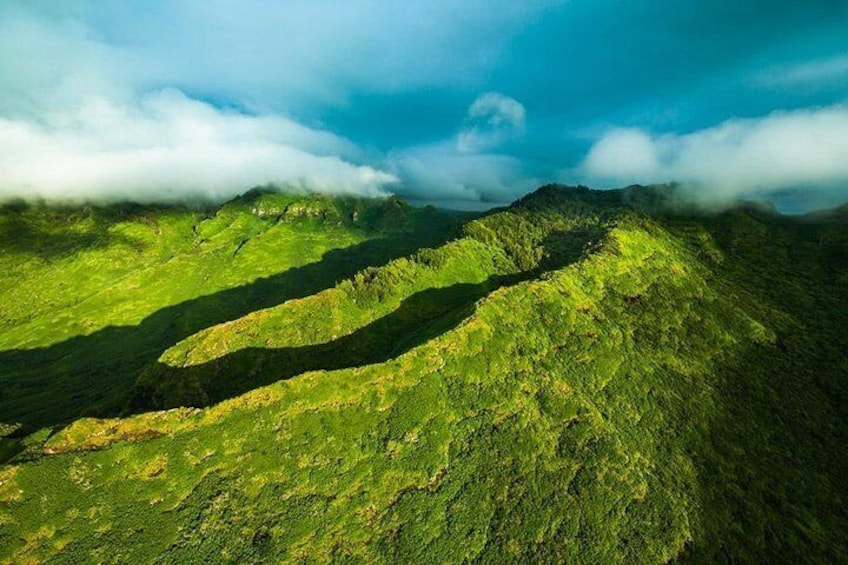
[
  {"x": 90, "y": 296},
  {"x": 583, "y": 377}
]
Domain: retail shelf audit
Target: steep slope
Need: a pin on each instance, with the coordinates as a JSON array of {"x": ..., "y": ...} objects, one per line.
[
  {"x": 639, "y": 390},
  {"x": 373, "y": 316},
  {"x": 89, "y": 296}
]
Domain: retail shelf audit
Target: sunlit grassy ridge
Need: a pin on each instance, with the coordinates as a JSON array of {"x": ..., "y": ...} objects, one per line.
[
  {"x": 89, "y": 296},
  {"x": 371, "y": 317},
  {"x": 621, "y": 388},
  {"x": 96, "y": 267}
]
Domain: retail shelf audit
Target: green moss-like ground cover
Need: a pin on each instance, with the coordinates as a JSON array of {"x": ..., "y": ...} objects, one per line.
[
  {"x": 90, "y": 296},
  {"x": 569, "y": 380}
]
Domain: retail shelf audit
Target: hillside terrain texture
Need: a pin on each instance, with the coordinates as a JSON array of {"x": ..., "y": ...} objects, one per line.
[{"x": 581, "y": 377}]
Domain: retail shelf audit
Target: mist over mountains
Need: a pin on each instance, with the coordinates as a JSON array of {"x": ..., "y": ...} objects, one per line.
[
  {"x": 481, "y": 282},
  {"x": 481, "y": 103}
]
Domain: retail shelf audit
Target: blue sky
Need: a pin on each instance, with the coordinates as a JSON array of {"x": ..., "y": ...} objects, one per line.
[{"x": 475, "y": 101}]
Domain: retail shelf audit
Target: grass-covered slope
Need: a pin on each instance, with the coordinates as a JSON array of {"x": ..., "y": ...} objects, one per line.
[
  {"x": 89, "y": 296},
  {"x": 371, "y": 317},
  {"x": 568, "y": 381}
]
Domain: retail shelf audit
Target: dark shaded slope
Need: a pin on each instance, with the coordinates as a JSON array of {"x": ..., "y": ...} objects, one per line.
[
  {"x": 773, "y": 470},
  {"x": 93, "y": 374},
  {"x": 418, "y": 319},
  {"x": 49, "y": 232},
  {"x": 421, "y": 313}
]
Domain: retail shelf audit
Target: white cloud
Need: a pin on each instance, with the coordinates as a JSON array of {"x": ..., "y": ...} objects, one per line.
[
  {"x": 439, "y": 172},
  {"x": 782, "y": 150},
  {"x": 83, "y": 112},
  {"x": 821, "y": 71},
  {"x": 623, "y": 154},
  {"x": 467, "y": 168},
  {"x": 168, "y": 146},
  {"x": 79, "y": 120},
  {"x": 491, "y": 120}
]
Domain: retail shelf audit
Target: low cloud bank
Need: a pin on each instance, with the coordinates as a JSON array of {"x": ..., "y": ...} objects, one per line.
[
  {"x": 439, "y": 172},
  {"x": 83, "y": 113},
  {"x": 472, "y": 166},
  {"x": 168, "y": 147},
  {"x": 803, "y": 149},
  {"x": 86, "y": 113}
]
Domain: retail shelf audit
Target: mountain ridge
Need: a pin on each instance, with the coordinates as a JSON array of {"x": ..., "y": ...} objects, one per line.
[{"x": 638, "y": 391}]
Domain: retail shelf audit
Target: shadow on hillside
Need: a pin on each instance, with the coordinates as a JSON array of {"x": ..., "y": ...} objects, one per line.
[
  {"x": 772, "y": 468},
  {"x": 418, "y": 319},
  {"x": 19, "y": 234},
  {"x": 94, "y": 374},
  {"x": 564, "y": 247}
]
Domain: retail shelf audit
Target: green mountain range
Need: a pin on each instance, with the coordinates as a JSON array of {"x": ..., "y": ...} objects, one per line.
[{"x": 581, "y": 377}]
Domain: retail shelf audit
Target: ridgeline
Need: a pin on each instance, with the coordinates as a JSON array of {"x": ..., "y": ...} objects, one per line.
[{"x": 583, "y": 377}]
